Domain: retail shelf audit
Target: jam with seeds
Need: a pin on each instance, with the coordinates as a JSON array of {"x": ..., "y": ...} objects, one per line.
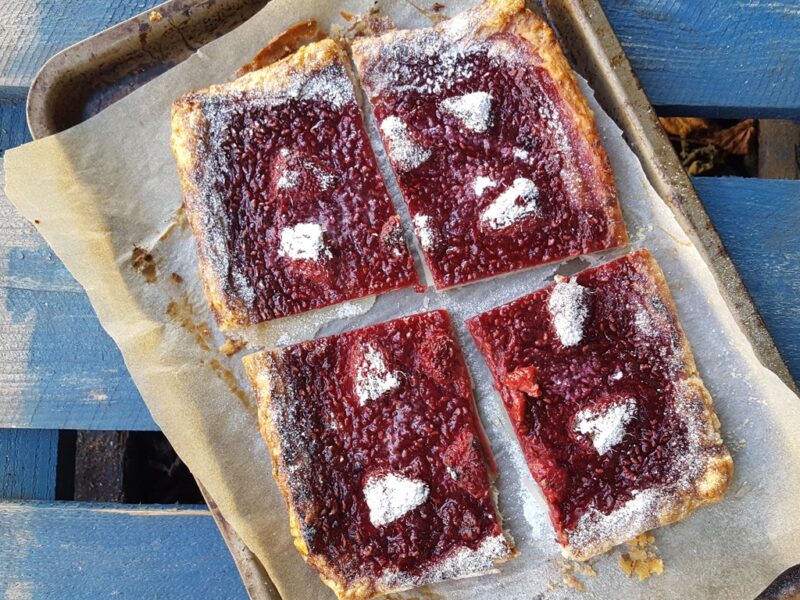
[
  {"x": 630, "y": 351},
  {"x": 425, "y": 428},
  {"x": 527, "y": 137},
  {"x": 303, "y": 161}
]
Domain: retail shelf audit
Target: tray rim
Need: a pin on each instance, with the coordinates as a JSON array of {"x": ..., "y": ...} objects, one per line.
[{"x": 619, "y": 92}]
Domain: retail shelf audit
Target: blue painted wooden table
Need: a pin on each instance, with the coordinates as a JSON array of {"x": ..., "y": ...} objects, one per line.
[{"x": 59, "y": 370}]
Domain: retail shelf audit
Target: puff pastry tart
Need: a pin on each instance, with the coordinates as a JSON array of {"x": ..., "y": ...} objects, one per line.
[
  {"x": 379, "y": 452},
  {"x": 493, "y": 145},
  {"x": 283, "y": 192},
  {"x": 600, "y": 385}
]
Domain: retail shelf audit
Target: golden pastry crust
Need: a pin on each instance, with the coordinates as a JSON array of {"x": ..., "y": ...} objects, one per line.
[
  {"x": 505, "y": 18},
  {"x": 189, "y": 140},
  {"x": 709, "y": 483}
]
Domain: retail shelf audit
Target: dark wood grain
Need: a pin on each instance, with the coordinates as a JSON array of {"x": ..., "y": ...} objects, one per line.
[{"x": 778, "y": 149}]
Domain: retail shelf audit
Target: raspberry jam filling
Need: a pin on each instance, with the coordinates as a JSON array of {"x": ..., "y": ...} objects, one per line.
[
  {"x": 590, "y": 371},
  {"x": 495, "y": 176},
  {"x": 385, "y": 453},
  {"x": 309, "y": 220}
]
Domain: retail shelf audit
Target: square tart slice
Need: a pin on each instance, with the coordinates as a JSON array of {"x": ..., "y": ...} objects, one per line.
[
  {"x": 283, "y": 192},
  {"x": 381, "y": 457},
  {"x": 494, "y": 148},
  {"x": 601, "y": 388}
]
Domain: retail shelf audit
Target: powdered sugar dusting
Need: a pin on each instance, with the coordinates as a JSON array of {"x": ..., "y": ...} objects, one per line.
[
  {"x": 461, "y": 562},
  {"x": 390, "y": 496},
  {"x": 330, "y": 84},
  {"x": 644, "y": 322},
  {"x": 481, "y": 183},
  {"x": 324, "y": 179},
  {"x": 425, "y": 234},
  {"x": 474, "y": 110},
  {"x": 446, "y": 62},
  {"x": 373, "y": 379},
  {"x": 567, "y": 305},
  {"x": 430, "y": 61},
  {"x": 633, "y": 517},
  {"x": 304, "y": 241},
  {"x": 558, "y": 136},
  {"x": 521, "y": 154},
  {"x": 404, "y": 151},
  {"x": 606, "y": 427},
  {"x": 288, "y": 180},
  {"x": 516, "y": 203}
]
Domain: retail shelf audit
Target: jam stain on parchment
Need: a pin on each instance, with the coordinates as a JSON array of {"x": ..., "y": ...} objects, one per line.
[
  {"x": 182, "y": 312},
  {"x": 143, "y": 262},
  {"x": 179, "y": 221},
  {"x": 229, "y": 378}
]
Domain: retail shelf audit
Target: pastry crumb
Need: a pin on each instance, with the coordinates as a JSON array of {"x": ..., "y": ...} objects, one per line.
[
  {"x": 642, "y": 558},
  {"x": 571, "y": 571},
  {"x": 155, "y": 16},
  {"x": 230, "y": 347},
  {"x": 573, "y": 582}
]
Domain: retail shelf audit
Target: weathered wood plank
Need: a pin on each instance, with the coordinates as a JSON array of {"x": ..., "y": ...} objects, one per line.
[
  {"x": 13, "y": 128},
  {"x": 758, "y": 221},
  {"x": 102, "y": 551},
  {"x": 714, "y": 57},
  {"x": 28, "y": 460},
  {"x": 58, "y": 367},
  {"x": 32, "y": 31}
]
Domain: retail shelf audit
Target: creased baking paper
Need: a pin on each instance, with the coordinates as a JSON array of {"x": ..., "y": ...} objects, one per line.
[{"x": 109, "y": 185}]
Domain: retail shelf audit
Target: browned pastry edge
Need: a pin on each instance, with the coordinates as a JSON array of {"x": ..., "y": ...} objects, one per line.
[
  {"x": 284, "y": 44},
  {"x": 710, "y": 485},
  {"x": 263, "y": 369},
  {"x": 188, "y": 141},
  {"x": 510, "y": 16},
  {"x": 187, "y": 119},
  {"x": 542, "y": 40}
]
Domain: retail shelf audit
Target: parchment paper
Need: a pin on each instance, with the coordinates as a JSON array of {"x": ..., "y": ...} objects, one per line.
[{"x": 110, "y": 184}]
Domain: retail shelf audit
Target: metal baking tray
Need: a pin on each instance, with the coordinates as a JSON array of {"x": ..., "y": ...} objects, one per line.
[{"x": 83, "y": 79}]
